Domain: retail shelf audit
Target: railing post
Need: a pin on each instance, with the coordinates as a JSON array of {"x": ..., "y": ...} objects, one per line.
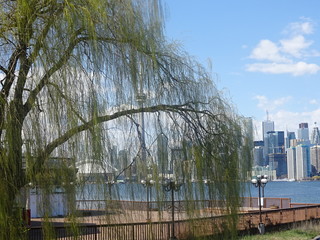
[{"x": 305, "y": 213}]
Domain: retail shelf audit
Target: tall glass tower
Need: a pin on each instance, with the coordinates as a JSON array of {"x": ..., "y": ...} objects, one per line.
[
  {"x": 267, "y": 126},
  {"x": 315, "y": 136},
  {"x": 303, "y": 131}
]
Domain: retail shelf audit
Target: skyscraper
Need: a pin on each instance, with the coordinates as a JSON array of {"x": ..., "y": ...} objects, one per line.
[
  {"x": 177, "y": 157},
  {"x": 162, "y": 153},
  {"x": 278, "y": 162},
  {"x": 267, "y": 126},
  {"x": 290, "y": 136},
  {"x": 303, "y": 131},
  {"x": 258, "y": 156},
  {"x": 315, "y": 136},
  {"x": 274, "y": 141},
  {"x": 291, "y": 163},
  {"x": 114, "y": 157},
  {"x": 315, "y": 158},
  {"x": 123, "y": 161},
  {"x": 303, "y": 166}
]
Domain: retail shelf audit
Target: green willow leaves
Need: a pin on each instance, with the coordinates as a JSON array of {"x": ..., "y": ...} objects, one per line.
[{"x": 71, "y": 72}]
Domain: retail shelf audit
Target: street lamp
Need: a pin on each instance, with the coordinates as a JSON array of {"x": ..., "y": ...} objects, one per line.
[
  {"x": 173, "y": 186},
  {"x": 110, "y": 183},
  {"x": 208, "y": 182},
  {"x": 148, "y": 184},
  {"x": 260, "y": 181}
]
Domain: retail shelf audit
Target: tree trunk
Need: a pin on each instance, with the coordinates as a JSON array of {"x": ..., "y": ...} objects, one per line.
[{"x": 12, "y": 177}]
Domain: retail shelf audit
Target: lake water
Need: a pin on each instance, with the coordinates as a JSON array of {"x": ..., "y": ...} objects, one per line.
[{"x": 299, "y": 192}]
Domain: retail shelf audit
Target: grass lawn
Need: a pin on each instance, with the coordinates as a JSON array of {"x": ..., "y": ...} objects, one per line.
[
  {"x": 305, "y": 231},
  {"x": 290, "y": 234}
]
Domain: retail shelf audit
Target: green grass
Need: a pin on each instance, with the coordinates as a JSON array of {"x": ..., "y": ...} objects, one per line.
[
  {"x": 306, "y": 231},
  {"x": 290, "y": 234}
]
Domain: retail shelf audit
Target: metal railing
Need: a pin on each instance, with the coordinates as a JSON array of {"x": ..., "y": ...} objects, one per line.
[{"x": 183, "y": 228}]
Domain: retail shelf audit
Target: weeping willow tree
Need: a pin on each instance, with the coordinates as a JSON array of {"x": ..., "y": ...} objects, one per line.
[{"x": 81, "y": 76}]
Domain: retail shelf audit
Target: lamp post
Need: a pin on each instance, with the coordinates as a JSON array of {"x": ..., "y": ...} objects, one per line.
[
  {"x": 110, "y": 183},
  {"x": 148, "y": 184},
  {"x": 210, "y": 201},
  {"x": 173, "y": 186},
  {"x": 260, "y": 181}
]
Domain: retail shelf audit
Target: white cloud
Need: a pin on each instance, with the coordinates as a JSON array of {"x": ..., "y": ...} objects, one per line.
[
  {"x": 281, "y": 57},
  {"x": 296, "y": 69},
  {"x": 286, "y": 120},
  {"x": 295, "y": 45},
  {"x": 313, "y": 101},
  {"x": 262, "y": 101},
  {"x": 267, "y": 50},
  {"x": 267, "y": 104},
  {"x": 304, "y": 27}
]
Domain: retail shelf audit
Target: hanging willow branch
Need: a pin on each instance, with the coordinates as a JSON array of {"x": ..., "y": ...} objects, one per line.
[{"x": 72, "y": 75}]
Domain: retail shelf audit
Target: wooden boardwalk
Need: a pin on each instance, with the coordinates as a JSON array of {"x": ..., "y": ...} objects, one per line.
[{"x": 132, "y": 225}]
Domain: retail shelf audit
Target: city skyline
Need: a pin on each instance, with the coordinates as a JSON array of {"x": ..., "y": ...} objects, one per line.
[
  {"x": 297, "y": 130},
  {"x": 263, "y": 63}
]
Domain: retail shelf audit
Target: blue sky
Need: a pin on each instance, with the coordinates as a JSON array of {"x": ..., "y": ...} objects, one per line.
[{"x": 265, "y": 55}]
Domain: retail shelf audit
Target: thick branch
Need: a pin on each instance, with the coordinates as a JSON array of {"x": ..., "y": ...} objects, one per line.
[
  {"x": 58, "y": 65},
  {"x": 86, "y": 126},
  {"x": 4, "y": 70},
  {"x": 10, "y": 72}
]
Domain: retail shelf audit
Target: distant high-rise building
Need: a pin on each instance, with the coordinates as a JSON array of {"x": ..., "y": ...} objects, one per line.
[
  {"x": 296, "y": 142},
  {"x": 303, "y": 131},
  {"x": 123, "y": 161},
  {"x": 177, "y": 157},
  {"x": 315, "y": 158},
  {"x": 291, "y": 163},
  {"x": 275, "y": 142},
  {"x": 315, "y": 136},
  {"x": 267, "y": 126},
  {"x": 248, "y": 126},
  {"x": 290, "y": 136},
  {"x": 114, "y": 157},
  {"x": 303, "y": 166},
  {"x": 162, "y": 153},
  {"x": 278, "y": 162},
  {"x": 258, "y": 156}
]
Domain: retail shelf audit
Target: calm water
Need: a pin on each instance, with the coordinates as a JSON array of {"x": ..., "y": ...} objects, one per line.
[{"x": 299, "y": 192}]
